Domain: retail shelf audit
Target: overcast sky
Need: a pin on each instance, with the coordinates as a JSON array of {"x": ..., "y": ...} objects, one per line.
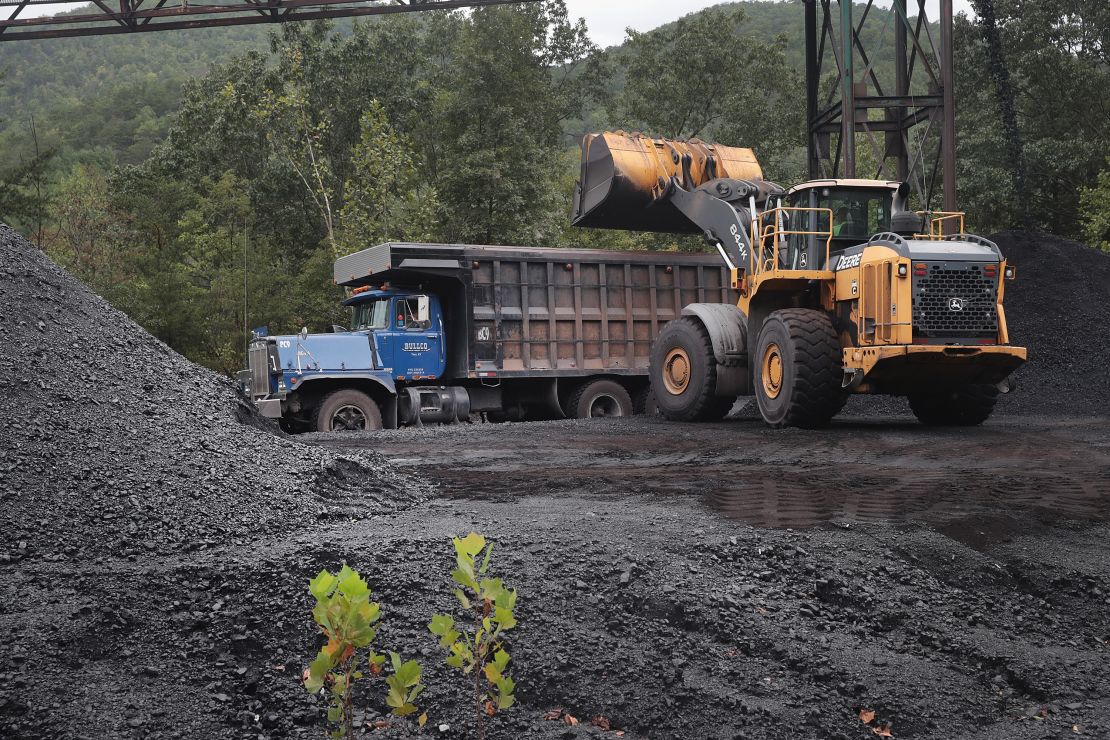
[{"x": 607, "y": 19}]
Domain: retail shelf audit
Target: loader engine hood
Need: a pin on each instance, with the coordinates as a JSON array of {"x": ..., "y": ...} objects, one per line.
[{"x": 959, "y": 248}]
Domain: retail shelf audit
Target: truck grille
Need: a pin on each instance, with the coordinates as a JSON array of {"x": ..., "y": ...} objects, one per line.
[
  {"x": 955, "y": 300},
  {"x": 258, "y": 359}
]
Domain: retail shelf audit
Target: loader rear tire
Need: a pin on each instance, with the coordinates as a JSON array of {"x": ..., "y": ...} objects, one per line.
[
  {"x": 798, "y": 369},
  {"x": 683, "y": 373},
  {"x": 966, "y": 406},
  {"x": 347, "y": 410}
]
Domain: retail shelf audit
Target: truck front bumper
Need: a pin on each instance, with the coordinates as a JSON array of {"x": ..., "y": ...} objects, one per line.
[
  {"x": 268, "y": 407},
  {"x": 902, "y": 369}
]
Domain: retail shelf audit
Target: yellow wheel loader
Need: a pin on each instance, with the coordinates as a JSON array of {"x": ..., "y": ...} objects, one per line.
[{"x": 842, "y": 289}]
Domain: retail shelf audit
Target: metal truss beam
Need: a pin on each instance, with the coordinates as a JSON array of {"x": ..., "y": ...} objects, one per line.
[
  {"x": 132, "y": 16},
  {"x": 853, "y": 99}
]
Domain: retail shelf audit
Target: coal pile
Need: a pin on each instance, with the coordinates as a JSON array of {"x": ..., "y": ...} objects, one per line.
[
  {"x": 113, "y": 444},
  {"x": 1059, "y": 307}
]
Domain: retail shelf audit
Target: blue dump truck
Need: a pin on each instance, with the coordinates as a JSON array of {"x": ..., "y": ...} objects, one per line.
[{"x": 444, "y": 333}]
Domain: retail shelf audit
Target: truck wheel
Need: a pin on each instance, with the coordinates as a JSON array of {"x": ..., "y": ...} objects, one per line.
[
  {"x": 683, "y": 373},
  {"x": 599, "y": 398},
  {"x": 798, "y": 369},
  {"x": 347, "y": 410},
  {"x": 958, "y": 407}
]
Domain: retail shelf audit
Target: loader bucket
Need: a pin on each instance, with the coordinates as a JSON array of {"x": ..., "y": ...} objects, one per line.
[{"x": 624, "y": 175}]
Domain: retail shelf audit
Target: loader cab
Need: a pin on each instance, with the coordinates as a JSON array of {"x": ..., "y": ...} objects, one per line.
[{"x": 859, "y": 209}]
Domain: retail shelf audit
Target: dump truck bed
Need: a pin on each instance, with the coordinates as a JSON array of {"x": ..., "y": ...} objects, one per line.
[{"x": 524, "y": 311}]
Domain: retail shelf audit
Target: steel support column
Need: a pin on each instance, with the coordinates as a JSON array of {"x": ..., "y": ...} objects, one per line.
[
  {"x": 916, "y": 132},
  {"x": 948, "y": 111}
]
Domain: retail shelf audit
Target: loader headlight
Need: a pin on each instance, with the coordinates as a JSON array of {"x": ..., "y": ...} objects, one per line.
[
  {"x": 1009, "y": 273},
  {"x": 903, "y": 270}
]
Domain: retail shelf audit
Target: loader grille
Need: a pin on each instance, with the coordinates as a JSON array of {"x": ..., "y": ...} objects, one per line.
[{"x": 955, "y": 300}]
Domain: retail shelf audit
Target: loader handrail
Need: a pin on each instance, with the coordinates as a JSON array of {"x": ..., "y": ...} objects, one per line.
[
  {"x": 775, "y": 234},
  {"x": 938, "y": 221}
]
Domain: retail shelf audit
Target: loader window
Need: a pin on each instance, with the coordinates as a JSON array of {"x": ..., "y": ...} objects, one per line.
[
  {"x": 857, "y": 213},
  {"x": 370, "y": 315}
]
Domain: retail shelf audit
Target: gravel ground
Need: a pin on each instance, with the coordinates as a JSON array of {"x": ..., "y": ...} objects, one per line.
[{"x": 720, "y": 580}]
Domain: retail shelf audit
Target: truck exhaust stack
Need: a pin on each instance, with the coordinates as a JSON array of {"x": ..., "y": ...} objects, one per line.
[{"x": 625, "y": 174}]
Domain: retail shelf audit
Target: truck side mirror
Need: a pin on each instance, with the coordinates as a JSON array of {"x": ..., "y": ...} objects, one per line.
[{"x": 423, "y": 310}]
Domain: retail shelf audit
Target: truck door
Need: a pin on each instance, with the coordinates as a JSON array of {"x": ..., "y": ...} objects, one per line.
[{"x": 417, "y": 342}]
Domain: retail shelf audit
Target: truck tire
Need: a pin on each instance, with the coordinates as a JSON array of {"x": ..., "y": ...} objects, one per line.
[
  {"x": 966, "y": 406},
  {"x": 798, "y": 369},
  {"x": 644, "y": 403},
  {"x": 599, "y": 398},
  {"x": 683, "y": 373},
  {"x": 347, "y": 410}
]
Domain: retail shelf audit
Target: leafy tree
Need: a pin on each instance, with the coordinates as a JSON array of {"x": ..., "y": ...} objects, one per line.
[
  {"x": 1095, "y": 205},
  {"x": 387, "y": 195},
  {"x": 1056, "y": 55},
  {"x": 701, "y": 77},
  {"x": 296, "y": 131},
  {"x": 505, "y": 85},
  {"x": 86, "y": 233}
]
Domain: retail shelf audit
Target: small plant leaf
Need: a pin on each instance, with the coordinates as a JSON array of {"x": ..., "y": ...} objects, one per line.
[
  {"x": 493, "y": 673},
  {"x": 422, "y": 719},
  {"x": 441, "y": 624},
  {"x": 470, "y": 545},
  {"x": 464, "y": 577},
  {"x": 485, "y": 561},
  {"x": 462, "y": 598},
  {"x": 504, "y": 617},
  {"x": 322, "y": 584},
  {"x": 351, "y": 584}
]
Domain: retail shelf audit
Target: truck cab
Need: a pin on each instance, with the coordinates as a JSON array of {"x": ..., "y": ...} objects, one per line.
[{"x": 406, "y": 330}]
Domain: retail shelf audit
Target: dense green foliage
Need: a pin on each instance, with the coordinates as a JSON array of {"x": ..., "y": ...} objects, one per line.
[
  {"x": 1058, "y": 58},
  {"x": 204, "y": 181}
]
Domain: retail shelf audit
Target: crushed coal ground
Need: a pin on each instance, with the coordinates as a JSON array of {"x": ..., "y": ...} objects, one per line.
[
  {"x": 113, "y": 444},
  {"x": 130, "y": 608}
]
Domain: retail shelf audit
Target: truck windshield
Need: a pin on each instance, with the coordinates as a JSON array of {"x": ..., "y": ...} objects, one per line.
[{"x": 370, "y": 315}]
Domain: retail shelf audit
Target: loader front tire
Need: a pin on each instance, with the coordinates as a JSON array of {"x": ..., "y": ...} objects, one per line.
[
  {"x": 797, "y": 369},
  {"x": 683, "y": 373},
  {"x": 966, "y": 406}
]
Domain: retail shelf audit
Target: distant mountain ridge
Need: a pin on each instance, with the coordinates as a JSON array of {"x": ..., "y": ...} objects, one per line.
[{"x": 110, "y": 99}]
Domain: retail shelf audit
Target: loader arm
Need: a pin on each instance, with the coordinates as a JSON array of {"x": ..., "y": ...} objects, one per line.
[{"x": 721, "y": 223}]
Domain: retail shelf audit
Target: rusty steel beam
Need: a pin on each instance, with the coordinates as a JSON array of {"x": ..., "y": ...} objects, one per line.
[
  {"x": 910, "y": 106},
  {"x": 168, "y": 15}
]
